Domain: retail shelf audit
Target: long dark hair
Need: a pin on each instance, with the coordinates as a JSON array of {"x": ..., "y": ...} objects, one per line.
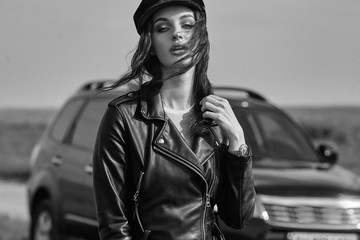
[{"x": 146, "y": 66}]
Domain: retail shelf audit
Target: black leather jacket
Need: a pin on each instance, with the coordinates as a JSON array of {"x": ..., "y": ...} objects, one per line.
[{"x": 149, "y": 184}]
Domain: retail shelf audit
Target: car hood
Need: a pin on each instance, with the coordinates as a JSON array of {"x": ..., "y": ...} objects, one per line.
[{"x": 334, "y": 181}]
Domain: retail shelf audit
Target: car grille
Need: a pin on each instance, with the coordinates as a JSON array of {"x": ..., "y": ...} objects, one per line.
[{"x": 311, "y": 212}]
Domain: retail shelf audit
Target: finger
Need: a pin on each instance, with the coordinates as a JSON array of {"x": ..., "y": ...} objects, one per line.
[
  {"x": 213, "y": 104},
  {"x": 211, "y": 115},
  {"x": 211, "y": 99},
  {"x": 217, "y": 117},
  {"x": 217, "y": 97},
  {"x": 208, "y": 106},
  {"x": 208, "y": 98},
  {"x": 220, "y": 101}
]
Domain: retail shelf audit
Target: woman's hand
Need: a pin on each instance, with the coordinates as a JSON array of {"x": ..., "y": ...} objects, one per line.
[{"x": 219, "y": 110}]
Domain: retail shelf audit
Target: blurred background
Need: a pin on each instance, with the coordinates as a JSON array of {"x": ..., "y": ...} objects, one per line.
[
  {"x": 294, "y": 52},
  {"x": 302, "y": 55}
]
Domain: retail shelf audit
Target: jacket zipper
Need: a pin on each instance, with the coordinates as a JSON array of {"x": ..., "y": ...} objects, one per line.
[
  {"x": 207, "y": 202},
  {"x": 208, "y": 190},
  {"x": 136, "y": 195},
  {"x": 136, "y": 200},
  {"x": 207, "y": 205}
]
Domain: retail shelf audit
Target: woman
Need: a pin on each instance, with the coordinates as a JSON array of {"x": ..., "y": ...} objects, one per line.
[{"x": 167, "y": 153}]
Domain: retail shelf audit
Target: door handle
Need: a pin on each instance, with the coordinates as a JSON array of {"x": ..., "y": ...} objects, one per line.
[
  {"x": 88, "y": 168},
  {"x": 56, "y": 160}
]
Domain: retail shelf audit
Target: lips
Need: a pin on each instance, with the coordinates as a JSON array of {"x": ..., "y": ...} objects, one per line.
[{"x": 178, "y": 50}]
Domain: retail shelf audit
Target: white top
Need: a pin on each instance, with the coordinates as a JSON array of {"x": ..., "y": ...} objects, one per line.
[{"x": 183, "y": 120}]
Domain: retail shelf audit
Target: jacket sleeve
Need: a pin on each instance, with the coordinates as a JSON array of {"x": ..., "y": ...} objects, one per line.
[
  {"x": 236, "y": 207},
  {"x": 110, "y": 178}
]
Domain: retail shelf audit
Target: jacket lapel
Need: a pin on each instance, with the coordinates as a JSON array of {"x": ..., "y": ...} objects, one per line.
[
  {"x": 168, "y": 140},
  {"x": 205, "y": 146}
]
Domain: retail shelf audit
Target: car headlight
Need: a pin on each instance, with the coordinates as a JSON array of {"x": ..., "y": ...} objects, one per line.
[{"x": 260, "y": 211}]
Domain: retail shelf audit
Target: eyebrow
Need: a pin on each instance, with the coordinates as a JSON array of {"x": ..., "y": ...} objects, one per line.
[{"x": 166, "y": 19}]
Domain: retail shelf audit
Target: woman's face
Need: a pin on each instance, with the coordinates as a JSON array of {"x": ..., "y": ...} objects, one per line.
[{"x": 172, "y": 29}]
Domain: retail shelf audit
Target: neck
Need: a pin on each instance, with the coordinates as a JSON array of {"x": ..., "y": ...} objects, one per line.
[{"x": 177, "y": 92}]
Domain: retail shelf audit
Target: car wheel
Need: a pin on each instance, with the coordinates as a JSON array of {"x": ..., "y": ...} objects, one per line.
[{"x": 42, "y": 223}]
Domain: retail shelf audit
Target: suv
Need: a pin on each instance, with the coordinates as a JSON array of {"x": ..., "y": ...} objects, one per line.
[{"x": 302, "y": 194}]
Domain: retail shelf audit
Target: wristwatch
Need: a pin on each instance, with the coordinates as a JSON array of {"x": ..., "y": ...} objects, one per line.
[{"x": 244, "y": 151}]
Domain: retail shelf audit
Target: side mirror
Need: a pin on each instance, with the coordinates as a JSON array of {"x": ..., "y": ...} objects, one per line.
[{"x": 328, "y": 152}]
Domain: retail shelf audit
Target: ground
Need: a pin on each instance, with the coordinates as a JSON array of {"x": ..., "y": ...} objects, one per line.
[{"x": 13, "y": 200}]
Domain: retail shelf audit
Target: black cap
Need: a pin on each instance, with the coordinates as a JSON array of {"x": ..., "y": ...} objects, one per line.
[{"x": 148, "y": 7}]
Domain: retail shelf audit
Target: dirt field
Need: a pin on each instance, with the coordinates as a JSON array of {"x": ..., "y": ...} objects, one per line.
[
  {"x": 13, "y": 200},
  {"x": 14, "y": 218}
]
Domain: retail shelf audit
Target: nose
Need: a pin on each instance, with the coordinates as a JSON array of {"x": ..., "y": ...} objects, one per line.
[{"x": 178, "y": 35}]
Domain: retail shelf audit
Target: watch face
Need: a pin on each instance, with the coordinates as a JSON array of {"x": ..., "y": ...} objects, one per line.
[{"x": 244, "y": 149}]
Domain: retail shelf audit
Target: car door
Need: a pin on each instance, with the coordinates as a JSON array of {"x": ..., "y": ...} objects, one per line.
[
  {"x": 66, "y": 167},
  {"x": 82, "y": 143}
]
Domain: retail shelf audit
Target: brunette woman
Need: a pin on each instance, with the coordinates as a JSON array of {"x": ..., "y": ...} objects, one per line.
[{"x": 167, "y": 153}]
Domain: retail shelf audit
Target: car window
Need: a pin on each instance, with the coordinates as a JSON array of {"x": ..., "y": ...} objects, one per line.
[
  {"x": 65, "y": 118},
  {"x": 86, "y": 128},
  {"x": 271, "y": 135}
]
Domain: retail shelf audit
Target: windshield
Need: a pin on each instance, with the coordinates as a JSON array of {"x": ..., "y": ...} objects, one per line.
[{"x": 274, "y": 137}]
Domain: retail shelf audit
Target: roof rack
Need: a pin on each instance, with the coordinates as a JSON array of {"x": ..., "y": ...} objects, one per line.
[
  {"x": 96, "y": 85},
  {"x": 248, "y": 92}
]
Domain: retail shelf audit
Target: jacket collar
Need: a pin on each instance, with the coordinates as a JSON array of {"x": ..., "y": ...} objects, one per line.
[{"x": 150, "y": 101}]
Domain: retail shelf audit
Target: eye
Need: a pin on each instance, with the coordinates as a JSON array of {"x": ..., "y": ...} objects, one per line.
[
  {"x": 189, "y": 23},
  {"x": 188, "y": 26},
  {"x": 161, "y": 26},
  {"x": 162, "y": 29}
]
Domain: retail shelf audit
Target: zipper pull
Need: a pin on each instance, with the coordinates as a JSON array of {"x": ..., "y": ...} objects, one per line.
[
  {"x": 208, "y": 204},
  {"x": 136, "y": 196}
]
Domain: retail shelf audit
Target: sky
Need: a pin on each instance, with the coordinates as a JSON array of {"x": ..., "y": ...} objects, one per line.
[{"x": 294, "y": 52}]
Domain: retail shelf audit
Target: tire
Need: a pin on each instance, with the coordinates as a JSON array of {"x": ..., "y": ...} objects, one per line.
[{"x": 42, "y": 226}]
